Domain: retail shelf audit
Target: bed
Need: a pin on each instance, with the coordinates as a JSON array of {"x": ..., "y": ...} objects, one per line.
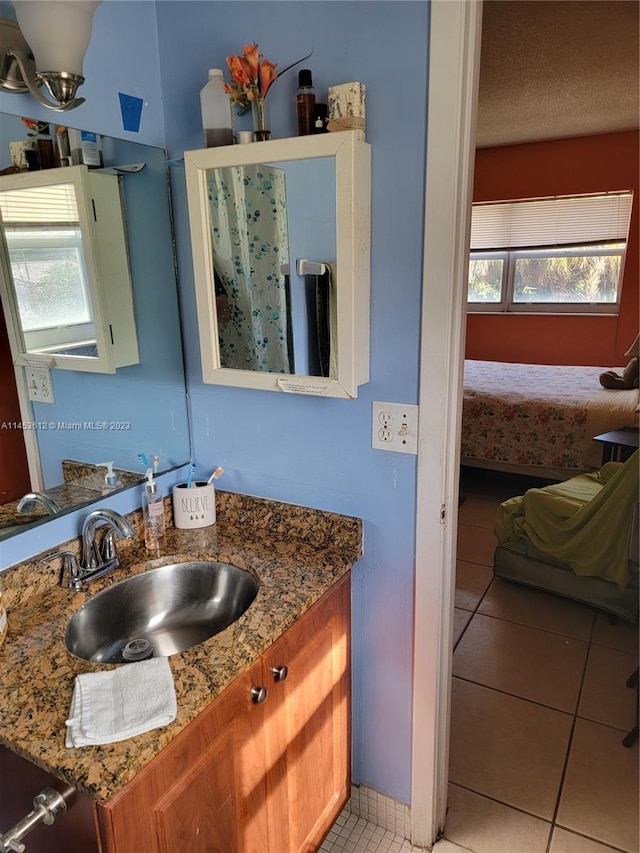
[
  {"x": 539, "y": 419},
  {"x": 578, "y": 538}
]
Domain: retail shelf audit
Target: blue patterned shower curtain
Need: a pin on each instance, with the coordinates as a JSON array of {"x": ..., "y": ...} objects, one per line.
[{"x": 248, "y": 216}]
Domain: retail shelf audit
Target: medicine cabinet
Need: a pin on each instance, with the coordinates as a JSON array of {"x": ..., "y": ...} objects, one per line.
[
  {"x": 64, "y": 270},
  {"x": 280, "y": 234}
]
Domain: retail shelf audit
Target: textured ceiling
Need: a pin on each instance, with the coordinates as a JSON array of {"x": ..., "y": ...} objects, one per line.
[{"x": 557, "y": 68}]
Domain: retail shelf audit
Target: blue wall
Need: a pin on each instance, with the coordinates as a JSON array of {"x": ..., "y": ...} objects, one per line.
[
  {"x": 122, "y": 57},
  {"x": 318, "y": 451},
  {"x": 300, "y": 449}
]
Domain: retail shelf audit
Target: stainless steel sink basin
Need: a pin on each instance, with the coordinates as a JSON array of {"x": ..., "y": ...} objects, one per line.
[{"x": 160, "y": 612}]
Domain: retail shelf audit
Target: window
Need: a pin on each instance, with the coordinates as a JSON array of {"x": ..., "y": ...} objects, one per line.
[
  {"x": 554, "y": 255},
  {"x": 44, "y": 243}
]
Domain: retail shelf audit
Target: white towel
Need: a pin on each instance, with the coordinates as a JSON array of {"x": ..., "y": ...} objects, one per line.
[{"x": 114, "y": 705}]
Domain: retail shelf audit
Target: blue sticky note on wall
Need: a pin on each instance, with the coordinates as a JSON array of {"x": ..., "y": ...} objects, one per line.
[{"x": 131, "y": 109}]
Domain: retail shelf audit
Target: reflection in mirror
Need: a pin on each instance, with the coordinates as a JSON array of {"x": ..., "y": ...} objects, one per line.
[
  {"x": 261, "y": 215},
  {"x": 67, "y": 285},
  {"x": 56, "y": 448},
  {"x": 281, "y": 236},
  {"x": 44, "y": 243}
]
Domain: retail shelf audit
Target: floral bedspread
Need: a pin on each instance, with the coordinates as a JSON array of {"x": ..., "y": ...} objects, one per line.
[{"x": 527, "y": 414}]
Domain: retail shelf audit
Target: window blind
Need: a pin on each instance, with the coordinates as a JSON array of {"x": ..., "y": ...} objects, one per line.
[
  {"x": 52, "y": 205},
  {"x": 560, "y": 221}
]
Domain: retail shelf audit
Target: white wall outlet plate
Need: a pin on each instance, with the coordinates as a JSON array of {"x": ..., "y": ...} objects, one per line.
[
  {"x": 394, "y": 426},
  {"x": 40, "y": 384}
]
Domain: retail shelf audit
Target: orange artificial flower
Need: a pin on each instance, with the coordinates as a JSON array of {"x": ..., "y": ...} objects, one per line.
[
  {"x": 240, "y": 73},
  {"x": 251, "y": 76},
  {"x": 252, "y": 56},
  {"x": 267, "y": 76}
]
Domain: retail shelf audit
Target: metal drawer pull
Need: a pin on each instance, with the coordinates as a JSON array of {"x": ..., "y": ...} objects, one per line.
[
  {"x": 259, "y": 695},
  {"x": 279, "y": 672},
  {"x": 47, "y": 806}
]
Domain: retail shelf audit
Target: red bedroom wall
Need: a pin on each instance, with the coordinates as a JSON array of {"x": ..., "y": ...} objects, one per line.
[{"x": 587, "y": 164}]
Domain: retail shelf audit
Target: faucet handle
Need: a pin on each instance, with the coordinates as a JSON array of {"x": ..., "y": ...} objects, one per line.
[
  {"x": 71, "y": 572},
  {"x": 108, "y": 550}
]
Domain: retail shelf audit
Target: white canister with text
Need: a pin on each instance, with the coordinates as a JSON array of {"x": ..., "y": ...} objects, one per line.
[{"x": 194, "y": 506}]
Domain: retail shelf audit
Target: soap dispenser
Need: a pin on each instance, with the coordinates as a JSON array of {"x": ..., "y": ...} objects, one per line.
[
  {"x": 152, "y": 513},
  {"x": 111, "y": 479}
]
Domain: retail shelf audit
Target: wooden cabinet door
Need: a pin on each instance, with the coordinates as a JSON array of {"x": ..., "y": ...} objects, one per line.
[
  {"x": 307, "y": 724},
  {"x": 253, "y": 778},
  {"x": 204, "y": 793}
]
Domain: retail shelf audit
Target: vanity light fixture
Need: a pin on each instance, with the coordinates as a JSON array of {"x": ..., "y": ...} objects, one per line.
[{"x": 57, "y": 34}]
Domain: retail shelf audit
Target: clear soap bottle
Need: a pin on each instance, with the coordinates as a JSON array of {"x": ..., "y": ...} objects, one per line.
[
  {"x": 305, "y": 102},
  {"x": 152, "y": 513},
  {"x": 217, "y": 116}
]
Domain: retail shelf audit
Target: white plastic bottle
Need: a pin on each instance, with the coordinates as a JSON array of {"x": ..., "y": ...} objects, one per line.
[
  {"x": 152, "y": 513},
  {"x": 215, "y": 106}
]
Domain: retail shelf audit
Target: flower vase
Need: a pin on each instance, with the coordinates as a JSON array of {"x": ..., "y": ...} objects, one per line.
[{"x": 260, "y": 116}]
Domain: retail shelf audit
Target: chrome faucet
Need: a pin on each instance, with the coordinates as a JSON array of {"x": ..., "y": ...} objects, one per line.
[
  {"x": 27, "y": 502},
  {"x": 95, "y": 561}
]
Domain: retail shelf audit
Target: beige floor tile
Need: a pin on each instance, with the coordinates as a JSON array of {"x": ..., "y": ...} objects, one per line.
[
  {"x": 538, "y": 609},
  {"x": 484, "y": 826},
  {"x": 600, "y": 792},
  {"x": 506, "y": 748},
  {"x": 568, "y": 842},
  {"x": 478, "y": 512},
  {"x": 460, "y": 621},
  {"x": 622, "y": 635},
  {"x": 476, "y": 545},
  {"x": 523, "y": 661},
  {"x": 605, "y": 696},
  {"x": 472, "y": 581},
  {"x": 444, "y": 846}
]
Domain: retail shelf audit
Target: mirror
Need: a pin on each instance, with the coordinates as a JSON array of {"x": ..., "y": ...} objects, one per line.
[
  {"x": 280, "y": 236},
  {"x": 99, "y": 417},
  {"x": 67, "y": 286}
]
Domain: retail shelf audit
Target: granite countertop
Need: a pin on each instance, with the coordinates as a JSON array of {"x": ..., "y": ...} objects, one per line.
[{"x": 297, "y": 554}]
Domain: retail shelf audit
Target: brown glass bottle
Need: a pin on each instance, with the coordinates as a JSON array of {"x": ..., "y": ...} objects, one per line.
[{"x": 305, "y": 102}]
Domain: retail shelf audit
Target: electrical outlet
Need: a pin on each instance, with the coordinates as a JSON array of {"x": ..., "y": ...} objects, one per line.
[
  {"x": 40, "y": 384},
  {"x": 395, "y": 427}
]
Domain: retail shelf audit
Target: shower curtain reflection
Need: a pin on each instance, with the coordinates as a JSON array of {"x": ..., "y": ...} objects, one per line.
[{"x": 249, "y": 238}]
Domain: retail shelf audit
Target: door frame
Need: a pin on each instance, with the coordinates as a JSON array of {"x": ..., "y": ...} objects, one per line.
[{"x": 454, "y": 64}]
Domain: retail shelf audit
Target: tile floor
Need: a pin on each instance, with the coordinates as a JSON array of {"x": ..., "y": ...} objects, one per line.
[
  {"x": 539, "y": 707},
  {"x": 539, "y": 710}
]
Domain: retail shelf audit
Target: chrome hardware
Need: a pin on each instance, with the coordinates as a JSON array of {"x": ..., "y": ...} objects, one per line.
[
  {"x": 32, "y": 498},
  {"x": 95, "y": 562},
  {"x": 259, "y": 695},
  {"x": 306, "y": 267},
  {"x": 279, "y": 672},
  {"x": 71, "y": 572},
  {"x": 47, "y": 806},
  {"x": 90, "y": 559},
  {"x": 108, "y": 551}
]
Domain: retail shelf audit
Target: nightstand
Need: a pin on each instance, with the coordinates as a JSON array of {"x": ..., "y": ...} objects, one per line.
[{"x": 619, "y": 444}]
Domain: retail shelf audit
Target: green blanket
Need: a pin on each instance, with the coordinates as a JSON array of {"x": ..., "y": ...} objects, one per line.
[{"x": 585, "y": 522}]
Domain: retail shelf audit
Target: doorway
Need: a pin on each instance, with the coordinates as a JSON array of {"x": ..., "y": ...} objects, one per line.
[{"x": 450, "y": 105}]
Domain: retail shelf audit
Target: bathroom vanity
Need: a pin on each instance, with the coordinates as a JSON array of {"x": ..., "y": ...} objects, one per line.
[{"x": 258, "y": 758}]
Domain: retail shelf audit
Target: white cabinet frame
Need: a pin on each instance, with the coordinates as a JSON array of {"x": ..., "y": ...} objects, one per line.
[
  {"x": 353, "y": 238},
  {"x": 104, "y": 247}
]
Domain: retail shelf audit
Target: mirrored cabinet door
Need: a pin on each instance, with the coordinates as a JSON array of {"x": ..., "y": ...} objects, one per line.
[
  {"x": 64, "y": 275},
  {"x": 280, "y": 235}
]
